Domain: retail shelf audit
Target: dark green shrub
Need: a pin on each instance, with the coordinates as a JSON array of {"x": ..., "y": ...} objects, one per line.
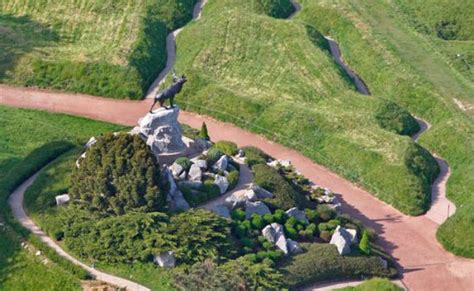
[
  {"x": 364, "y": 245},
  {"x": 285, "y": 197},
  {"x": 247, "y": 242},
  {"x": 211, "y": 189},
  {"x": 324, "y": 226},
  {"x": 291, "y": 233},
  {"x": 257, "y": 222},
  {"x": 213, "y": 155},
  {"x": 184, "y": 162},
  {"x": 325, "y": 212},
  {"x": 238, "y": 215},
  {"x": 58, "y": 235},
  {"x": 392, "y": 117},
  {"x": 240, "y": 230},
  {"x": 275, "y": 8},
  {"x": 118, "y": 175},
  {"x": 227, "y": 147},
  {"x": 233, "y": 179},
  {"x": 203, "y": 132},
  {"x": 291, "y": 221},
  {"x": 312, "y": 215},
  {"x": 254, "y": 156},
  {"x": 268, "y": 219},
  {"x": 333, "y": 223},
  {"x": 312, "y": 227},
  {"x": 325, "y": 235},
  {"x": 279, "y": 216},
  {"x": 321, "y": 262},
  {"x": 267, "y": 245}
]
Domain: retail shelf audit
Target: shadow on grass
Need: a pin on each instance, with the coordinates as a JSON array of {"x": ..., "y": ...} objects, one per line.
[{"x": 20, "y": 35}]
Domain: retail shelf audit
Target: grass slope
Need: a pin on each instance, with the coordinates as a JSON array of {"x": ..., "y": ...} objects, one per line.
[
  {"x": 448, "y": 25},
  {"x": 398, "y": 65},
  {"x": 31, "y": 139},
  {"x": 276, "y": 77},
  {"x": 374, "y": 284},
  {"x": 106, "y": 48}
]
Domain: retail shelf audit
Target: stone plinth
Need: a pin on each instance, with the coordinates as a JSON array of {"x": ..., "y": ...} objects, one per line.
[{"x": 162, "y": 132}]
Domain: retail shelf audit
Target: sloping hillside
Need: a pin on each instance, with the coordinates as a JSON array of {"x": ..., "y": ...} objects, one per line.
[
  {"x": 276, "y": 77},
  {"x": 106, "y": 48},
  {"x": 397, "y": 64}
]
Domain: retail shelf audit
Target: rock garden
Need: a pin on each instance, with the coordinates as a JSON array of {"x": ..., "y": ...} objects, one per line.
[{"x": 130, "y": 206}]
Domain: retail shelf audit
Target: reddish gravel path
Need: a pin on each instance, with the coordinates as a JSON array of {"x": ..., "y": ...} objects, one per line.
[{"x": 425, "y": 265}]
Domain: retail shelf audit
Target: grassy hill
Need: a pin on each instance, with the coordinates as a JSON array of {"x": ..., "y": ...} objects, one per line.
[
  {"x": 398, "y": 65},
  {"x": 276, "y": 77},
  {"x": 105, "y": 48},
  {"x": 449, "y": 27},
  {"x": 30, "y": 140}
]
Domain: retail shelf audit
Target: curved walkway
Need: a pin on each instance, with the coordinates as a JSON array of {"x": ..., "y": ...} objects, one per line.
[
  {"x": 245, "y": 179},
  {"x": 16, "y": 203},
  {"x": 441, "y": 208},
  {"x": 422, "y": 261},
  {"x": 171, "y": 52}
]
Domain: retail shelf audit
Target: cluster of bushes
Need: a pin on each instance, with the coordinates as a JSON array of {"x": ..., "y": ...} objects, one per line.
[
  {"x": 194, "y": 236},
  {"x": 321, "y": 225},
  {"x": 227, "y": 147},
  {"x": 322, "y": 262},
  {"x": 196, "y": 196},
  {"x": 241, "y": 274},
  {"x": 119, "y": 174},
  {"x": 285, "y": 196}
]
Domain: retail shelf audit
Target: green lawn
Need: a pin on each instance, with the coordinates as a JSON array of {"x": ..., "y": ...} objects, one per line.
[
  {"x": 105, "y": 48},
  {"x": 374, "y": 284},
  {"x": 276, "y": 77},
  {"x": 397, "y": 64},
  {"x": 30, "y": 140},
  {"x": 448, "y": 26}
]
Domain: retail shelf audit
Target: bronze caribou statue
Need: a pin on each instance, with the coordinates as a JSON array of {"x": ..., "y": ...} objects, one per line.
[{"x": 169, "y": 92}]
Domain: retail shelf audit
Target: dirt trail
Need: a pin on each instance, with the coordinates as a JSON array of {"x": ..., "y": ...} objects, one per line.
[
  {"x": 16, "y": 203},
  {"x": 171, "y": 51},
  {"x": 441, "y": 208},
  {"x": 423, "y": 263}
]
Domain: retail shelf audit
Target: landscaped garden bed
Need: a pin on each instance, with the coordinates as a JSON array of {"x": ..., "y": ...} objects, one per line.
[{"x": 279, "y": 231}]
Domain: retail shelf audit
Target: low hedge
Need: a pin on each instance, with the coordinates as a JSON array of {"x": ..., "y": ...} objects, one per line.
[
  {"x": 36, "y": 160},
  {"x": 285, "y": 197},
  {"x": 227, "y": 147},
  {"x": 394, "y": 118},
  {"x": 321, "y": 262},
  {"x": 255, "y": 156}
]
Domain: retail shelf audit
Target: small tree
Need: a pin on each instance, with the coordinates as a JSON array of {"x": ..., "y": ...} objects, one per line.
[
  {"x": 364, "y": 244},
  {"x": 203, "y": 132}
]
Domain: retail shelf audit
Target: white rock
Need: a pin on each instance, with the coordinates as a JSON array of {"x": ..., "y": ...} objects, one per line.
[
  {"x": 342, "y": 240},
  {"x": 240, "y": 153},
  {"x": 195, "y": 173},
  {"x": 165, "y": 260},
  {"x": 175, "y": 198},
  {"x": 62, "y": 199},
  {"x": 222, "y": 183},
  {"x": 200, "y": 163},
  {"x": 298, "y": 214},
  {"x": 235, "y": 201},
  {"x": 177, "y": 170},
  {"x": 162, "y": 131},
  {"x": 353, "y": 233},
  {"x": 281, "y": 244},
  {"x": 257, "y": 207},
  {"x": 38, "y": 253},
  {"x": 78, "y": 161},
  {"x": 221, "y": 164},
  {"x": 221, "y": 210},
  {"x": 261, "y": 193},
  {"x": 272, "y": 232},
  {"x": 251, "y": 195},
  {"x": 92, "y": 141},
  {"x": 293, "y": 246},
  {"x": 277, "y": 163}
]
